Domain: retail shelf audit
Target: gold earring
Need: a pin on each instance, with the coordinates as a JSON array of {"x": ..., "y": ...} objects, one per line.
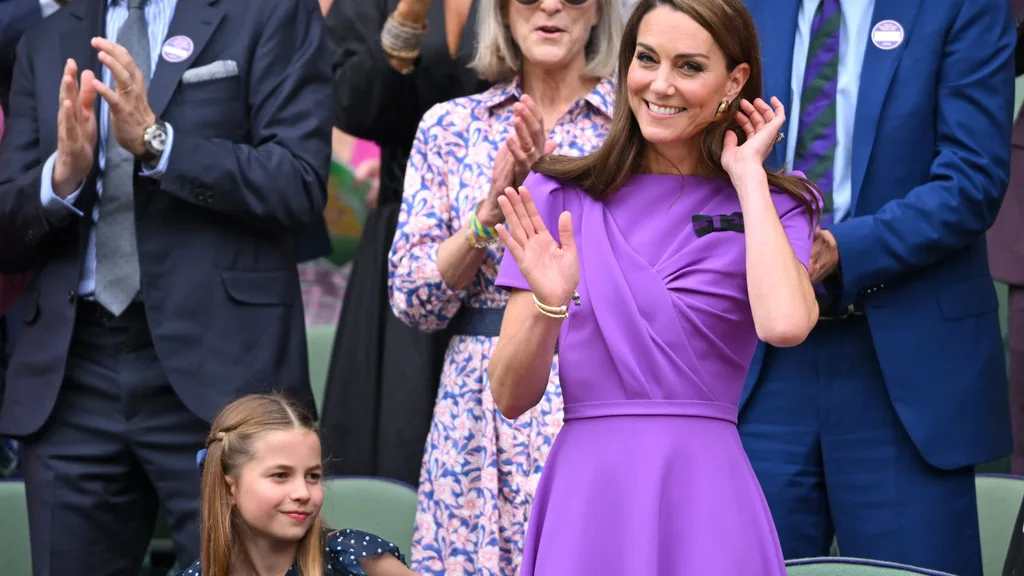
[{"x": 721, "y": 109}]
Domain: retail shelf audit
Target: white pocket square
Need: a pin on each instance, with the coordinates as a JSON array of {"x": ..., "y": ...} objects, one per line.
[{"x": 212, "y": 71}]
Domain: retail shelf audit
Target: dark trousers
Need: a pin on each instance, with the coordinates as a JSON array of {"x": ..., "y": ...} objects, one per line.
[
  {"x": 834, "y": 459},
  {"x": 118, "y": 445}
]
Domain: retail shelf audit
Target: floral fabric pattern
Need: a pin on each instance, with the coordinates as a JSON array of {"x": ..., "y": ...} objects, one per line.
[{"x": 479, "y": 469}]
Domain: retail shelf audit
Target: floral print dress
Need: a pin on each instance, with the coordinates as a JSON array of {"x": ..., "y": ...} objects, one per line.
[{"x": 479, "y": 469}]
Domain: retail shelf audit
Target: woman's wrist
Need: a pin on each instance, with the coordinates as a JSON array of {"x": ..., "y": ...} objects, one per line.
[
  {"x": 488, "y": 218},
  {"x": 749, "y": 178},
  {"x": 412, "y": 12},
  {"x": 403, "y": 34},
  {"x": 552, "y": 302},
  {"x": 479, "y": 234}
]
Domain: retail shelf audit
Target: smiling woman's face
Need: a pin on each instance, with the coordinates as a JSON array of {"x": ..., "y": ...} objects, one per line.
[
  {"x": 678, "y": 78},
  {"x": 552, "y": 34}
]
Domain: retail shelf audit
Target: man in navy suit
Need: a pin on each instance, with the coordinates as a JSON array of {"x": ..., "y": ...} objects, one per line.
[
  {"x": 153, "y": 183},
  {"x": 869, "y": 430}
]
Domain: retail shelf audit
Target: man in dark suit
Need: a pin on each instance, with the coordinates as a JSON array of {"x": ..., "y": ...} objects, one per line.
[
  {"x": 1006, "y": 257},
  {"x": 16, "y": 16},
  {"x": 155, "y": 195},
  {"x": 870, "y": 430}
]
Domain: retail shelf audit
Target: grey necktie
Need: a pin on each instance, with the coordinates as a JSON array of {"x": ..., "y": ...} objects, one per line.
[{"x": 117, "y": 256}]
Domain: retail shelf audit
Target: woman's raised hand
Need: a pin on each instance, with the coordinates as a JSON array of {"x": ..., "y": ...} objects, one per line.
[
  {"x": 762, "y": 124},
  {"x": 551, "y": 268}
]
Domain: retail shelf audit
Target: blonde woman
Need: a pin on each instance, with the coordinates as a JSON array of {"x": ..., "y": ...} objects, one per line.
[{"x": 551, "y": 61}]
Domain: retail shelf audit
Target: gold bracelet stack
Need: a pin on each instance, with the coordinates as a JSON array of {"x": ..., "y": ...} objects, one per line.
[
  {"x": 401, "y": 39},
  {"x": 560, "y": 312}
]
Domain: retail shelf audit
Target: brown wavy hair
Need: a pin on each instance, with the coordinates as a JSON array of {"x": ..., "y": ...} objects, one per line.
[
  {"x": 229, "y": 446},
  {"x": 625, "y": 151}
]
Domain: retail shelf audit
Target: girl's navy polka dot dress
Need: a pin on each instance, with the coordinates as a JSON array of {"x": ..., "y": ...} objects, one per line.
[{"x": 342, "y": 552}]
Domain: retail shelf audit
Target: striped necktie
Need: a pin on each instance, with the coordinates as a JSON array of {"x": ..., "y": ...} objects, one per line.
[{"x": 816, "y": 134}]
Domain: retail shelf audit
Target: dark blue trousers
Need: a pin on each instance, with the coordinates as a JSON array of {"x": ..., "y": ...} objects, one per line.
[
  {"x": 118, "y": 445},
  {"x": 834, "y": 460}
]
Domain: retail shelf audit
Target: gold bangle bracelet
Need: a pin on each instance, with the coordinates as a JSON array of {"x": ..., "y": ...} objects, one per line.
[
  {"x": 556, "y": 316},
  {"x": 551, "y": 311},
  {"x": 562, "y": 316}
]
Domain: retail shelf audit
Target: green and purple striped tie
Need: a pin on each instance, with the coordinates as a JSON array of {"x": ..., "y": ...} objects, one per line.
[{"x": 816, "y": 134}]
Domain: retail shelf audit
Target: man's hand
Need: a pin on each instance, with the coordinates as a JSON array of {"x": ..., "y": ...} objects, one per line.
[
  {"x": 824, "y": 255},
  {"x": 129, "y": 107},
  {"x": 76, "y": 131}
]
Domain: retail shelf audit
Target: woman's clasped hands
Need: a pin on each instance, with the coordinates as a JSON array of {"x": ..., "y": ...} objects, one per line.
[{"x": 515, "y": 159}]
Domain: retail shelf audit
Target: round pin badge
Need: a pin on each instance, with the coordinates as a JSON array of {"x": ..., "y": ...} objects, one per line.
[
  {"x": 177, "y": 49},
  {"x": 887, "y": 34}
]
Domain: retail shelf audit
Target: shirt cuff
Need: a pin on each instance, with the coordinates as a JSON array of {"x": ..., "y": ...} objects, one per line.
[
  {"x": 161, "y": 166},
  {"x": 48, "y": 7},
  {"x": 57, "y": 210}
]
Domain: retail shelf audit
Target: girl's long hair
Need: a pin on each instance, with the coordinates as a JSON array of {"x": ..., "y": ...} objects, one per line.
[
  {"x": 229, "y": 446},
  {"x": 624, "y": 151}
]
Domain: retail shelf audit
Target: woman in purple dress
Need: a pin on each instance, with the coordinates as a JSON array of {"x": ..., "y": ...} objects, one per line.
[{"x": 676, "y": 252}]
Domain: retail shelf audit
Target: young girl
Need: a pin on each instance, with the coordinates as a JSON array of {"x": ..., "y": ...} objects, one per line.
[{"x": 262, "y": 496}]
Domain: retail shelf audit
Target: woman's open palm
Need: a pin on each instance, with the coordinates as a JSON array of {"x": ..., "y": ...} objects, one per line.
[{"x": 552, "y": 270}]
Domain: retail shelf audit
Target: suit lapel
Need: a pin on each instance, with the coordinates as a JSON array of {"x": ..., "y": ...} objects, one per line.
[
  {"x": 776, "y": 30},
  {"x": 195, "y": 20},
  {"x": 88, "y": 19},
  {"x": 876, "y": 75}
]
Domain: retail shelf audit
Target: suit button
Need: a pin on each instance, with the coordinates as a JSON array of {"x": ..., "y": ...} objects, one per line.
[{"x": 71, "y": 296}]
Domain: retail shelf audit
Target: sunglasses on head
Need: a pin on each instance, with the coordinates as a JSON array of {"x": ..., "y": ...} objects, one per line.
[{"x": 567, "y": 2}]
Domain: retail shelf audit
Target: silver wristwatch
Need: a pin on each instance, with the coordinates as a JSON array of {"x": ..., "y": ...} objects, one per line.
[{"x": 155, "y": 139}]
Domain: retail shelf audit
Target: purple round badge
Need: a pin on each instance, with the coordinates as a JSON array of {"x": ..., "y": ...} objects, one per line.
[
  {"x": 177, "y": 48},
  {"x": 887, "y": 34}
]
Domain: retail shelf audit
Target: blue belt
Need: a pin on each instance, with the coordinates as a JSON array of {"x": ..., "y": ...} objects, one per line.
[
  {"x": 484, "y": 322},
  {"x": 477, "y": 322}
]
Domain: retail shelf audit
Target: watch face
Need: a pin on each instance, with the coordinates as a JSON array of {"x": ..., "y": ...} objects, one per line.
[{"x": 156, "y": 138}]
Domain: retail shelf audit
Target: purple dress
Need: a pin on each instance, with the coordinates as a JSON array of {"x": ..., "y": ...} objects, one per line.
[{"x": 648, "y": 475}]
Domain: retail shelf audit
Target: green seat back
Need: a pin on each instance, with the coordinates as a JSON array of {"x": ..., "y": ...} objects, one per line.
[
  {"x": 999, "y": 500},
  {"x": 320, "y": 345},
  {"x": 853, "y": 567},
  {"x": 381, "y": 507},
  {"x": 15, "y": 554}
]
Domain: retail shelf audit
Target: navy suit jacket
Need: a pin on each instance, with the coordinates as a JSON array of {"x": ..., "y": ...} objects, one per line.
[
  {"x": 247, "y": 171},
  {"x": 931, "y": 161},
  {"x": 16, "y": 16}
]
